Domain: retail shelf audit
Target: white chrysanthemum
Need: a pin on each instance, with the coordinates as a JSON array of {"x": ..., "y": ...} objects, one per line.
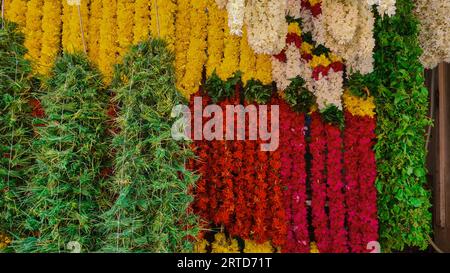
[
  {"x": 294, "y": 7},
  {"x": 279, "y": 74},
  {"x": 384, "y": 7},
  {"x": 235, "y": 9},
  {"x": 328, "y": 90},
  {"x": 434, "y": 36}
]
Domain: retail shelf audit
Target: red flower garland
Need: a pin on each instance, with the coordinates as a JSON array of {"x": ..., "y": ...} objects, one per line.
[
  {"x": 318, "y": 183},
  {"x": 336, "y": 200}
]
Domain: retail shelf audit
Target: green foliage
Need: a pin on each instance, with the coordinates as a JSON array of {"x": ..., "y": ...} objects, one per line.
[
  {"x": 402, "y": 105},
  {"x": 298, "y": 96},
  {"x": 218, "y": 89},
  {"x": 61, "y": 198},
  {"x": 332, "y": 114},
  {"x": 150, "y": 188},
  {"x": 15, "y": 123},
  {"x": 256, "y": 91}
]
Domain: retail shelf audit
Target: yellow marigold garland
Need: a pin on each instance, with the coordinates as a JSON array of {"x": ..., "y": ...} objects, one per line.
[
  {"x": 264, "y": 68},
  {"x": 248, "y": 59},
  {"x": 359, "y": 106},
  {"x": 75, "y": 39},
  {"x": 196, "y": 56},
  {"x": 163, "y": 20},
  {"x": 253, "y": 247},
  {"x": 33, "y": 30},
  {"x": 95, "y": 20},
  {"x": 216, "y": 23},
  {"x": 66, "y": 16},
  {"x": 141, "y": 20},
  {"x": 51, "y": 27},
  {"x": 230, "y": 63},
  {"x": 108, "y": 39},
  {"x": 16, "y": 11},
  {"x": 125, "y": 16},
  {"x": 182, "y": 28},
  {"x": 201, "y": 246},
  {"x": 222, "y": 244}
]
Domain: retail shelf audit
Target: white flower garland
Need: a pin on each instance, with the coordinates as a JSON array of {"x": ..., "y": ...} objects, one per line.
[
  {"x": 346, "y": 28},
  {"x": 235, "y": 9},
  {"x": 266, "y": 25},
  {"x": 384, "y": 7},
  {"x": 434, "y": 36},
  {"x": 329, "y": 89}
]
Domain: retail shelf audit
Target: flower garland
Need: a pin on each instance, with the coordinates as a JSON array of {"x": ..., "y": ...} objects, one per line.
[
  {"x": 263, "y": 69},
  {"x": 230, "y": 62},
  {"x": 434, "y": 35},
  {"x": 108, "y": 39},
  {"x": 216, "y": 22},
  {"x": 293, "y": 176},
  {"x": 317, "y": 147},
  {"x": 222, "y": 244},
  {"x": 263, "y": 15},
  {"x": 75, "y": 43},
  {"x": 142, "y": 20},
  {"x": 125, "y": 15},
  {"x": 94, "y": 22},
  {"x": 33, "y": 30},
  {"x": 51, "y": 29},
  {"x": 335, "y": 186},
  {"x": 196, "y": 56},
  {"x": 248, "y": 59},
  {"x": 236, "y": 9},
  {"x": 163, "y": 20},
  {"x": 16, "y": 11},
  {"x": 182, "y": 34}
]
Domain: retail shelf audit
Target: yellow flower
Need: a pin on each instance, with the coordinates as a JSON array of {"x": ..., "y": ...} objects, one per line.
[
  {"x": 182, "y": 28},
  {"x": 314, "y": 2},
  {"x": 196, "y": 56},
  {"x": 321, "y": 60},
  {"x": 248, "y": 59},
  {"x": 16, "y": 11},
  {"x": 163, "y": 21},
  {"x": 33, "y": 30},
  {"x": 222, "y": 244},
  {"x": 359, "y": 106},
  {"x": 200, "y": 246},
  {"x": 335, "y": 58},
  {"x": 306, "y": 48},
  {"x": 94, "y": 23},
  {"x": 108, "y": 39},
  {"x": 141, "y": 20},
  {"x": 230, "y": 63},
  {"x": 75, "y": 38},
  {"x": 216, "y": 22},
  {"x": 314, "y": 248},
  {"x": 253, "y": 247},
  {"x": 51, "y": 26},
  {"x": 264, "y": 68},
  {"x": 125, "y": 16},
  {"x": 294, "y": 28}
]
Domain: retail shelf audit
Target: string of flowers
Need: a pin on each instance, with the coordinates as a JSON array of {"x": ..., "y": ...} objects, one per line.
[
  {"x": 263, "y": 69},
  {"x": 317, "y": 147},
  {"x": 125, "y": 15},
  {"x": 196, "y": 56},
  {"x": 33, "y": 30},
  {"x": 248, "y": 59},
  {"x": 16, "y": 12},
  {"x": 141, "y": 19},
  {"x": 94, "y": 23},
  {"x": 215, "y": 29},
  {"x": 163, "y": 21},
  {"x": 108, "y": 39},
  {"x": 434, "y": 35},
  {"x": 230, "y": 62},
  {"x": 51, "y": 29},
  {"x": 182, "y": 34}
]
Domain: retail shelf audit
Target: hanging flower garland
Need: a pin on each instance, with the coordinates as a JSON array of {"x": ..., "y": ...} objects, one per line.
[
  {"x": 182, "y": 34},
  {"x": 230, "y": 62},
  {"x": 33, "y": 30},
  {"x": 142, "y": 21},
  {"x": 108, "y": 39},
  {"x": 236, "y": 9},
  {"x": 248, "y": 59},
  {"x": 16, "y": 11},
  {"x": 94, "y": 23},
  {"x": 125, "y": 15},
  {"x": 434, "y": 35},
  {"x": 51, "y": 27},
  {"x": 163, "y": 21}
]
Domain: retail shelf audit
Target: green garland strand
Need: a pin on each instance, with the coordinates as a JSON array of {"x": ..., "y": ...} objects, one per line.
[
  {"x": 61, "y": 198},
  {"x": 150, "y": 187},
  {"x": 15, "y": 123},
  {"x": 402, "y": 105}
]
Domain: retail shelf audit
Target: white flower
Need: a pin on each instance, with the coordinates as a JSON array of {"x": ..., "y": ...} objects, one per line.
[
  {"x": 73, "y": 2},
  {"x": 235, "y": 9}
]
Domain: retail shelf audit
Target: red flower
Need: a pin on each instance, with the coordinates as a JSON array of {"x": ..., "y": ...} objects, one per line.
[
  {"x": 294, "y": 38},
  {"x": 281, "y": 56}
]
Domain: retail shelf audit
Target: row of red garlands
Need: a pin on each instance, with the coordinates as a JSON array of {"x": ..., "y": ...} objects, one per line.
[{"x": 318, "y": 186}]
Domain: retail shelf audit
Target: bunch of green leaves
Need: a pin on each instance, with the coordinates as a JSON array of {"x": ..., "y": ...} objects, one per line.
[
  {"x": 60, "y": 200},
  {"x": 402, "y": 106},
  {"x": 298, "y": 96},
  {"x": 15, "y": 123},
  {"x": 219, "y": 89},
  {"x": 150, "y": 190},
  {"x": 256, "y": 91},
  {"x": 332, "y": 114}
]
